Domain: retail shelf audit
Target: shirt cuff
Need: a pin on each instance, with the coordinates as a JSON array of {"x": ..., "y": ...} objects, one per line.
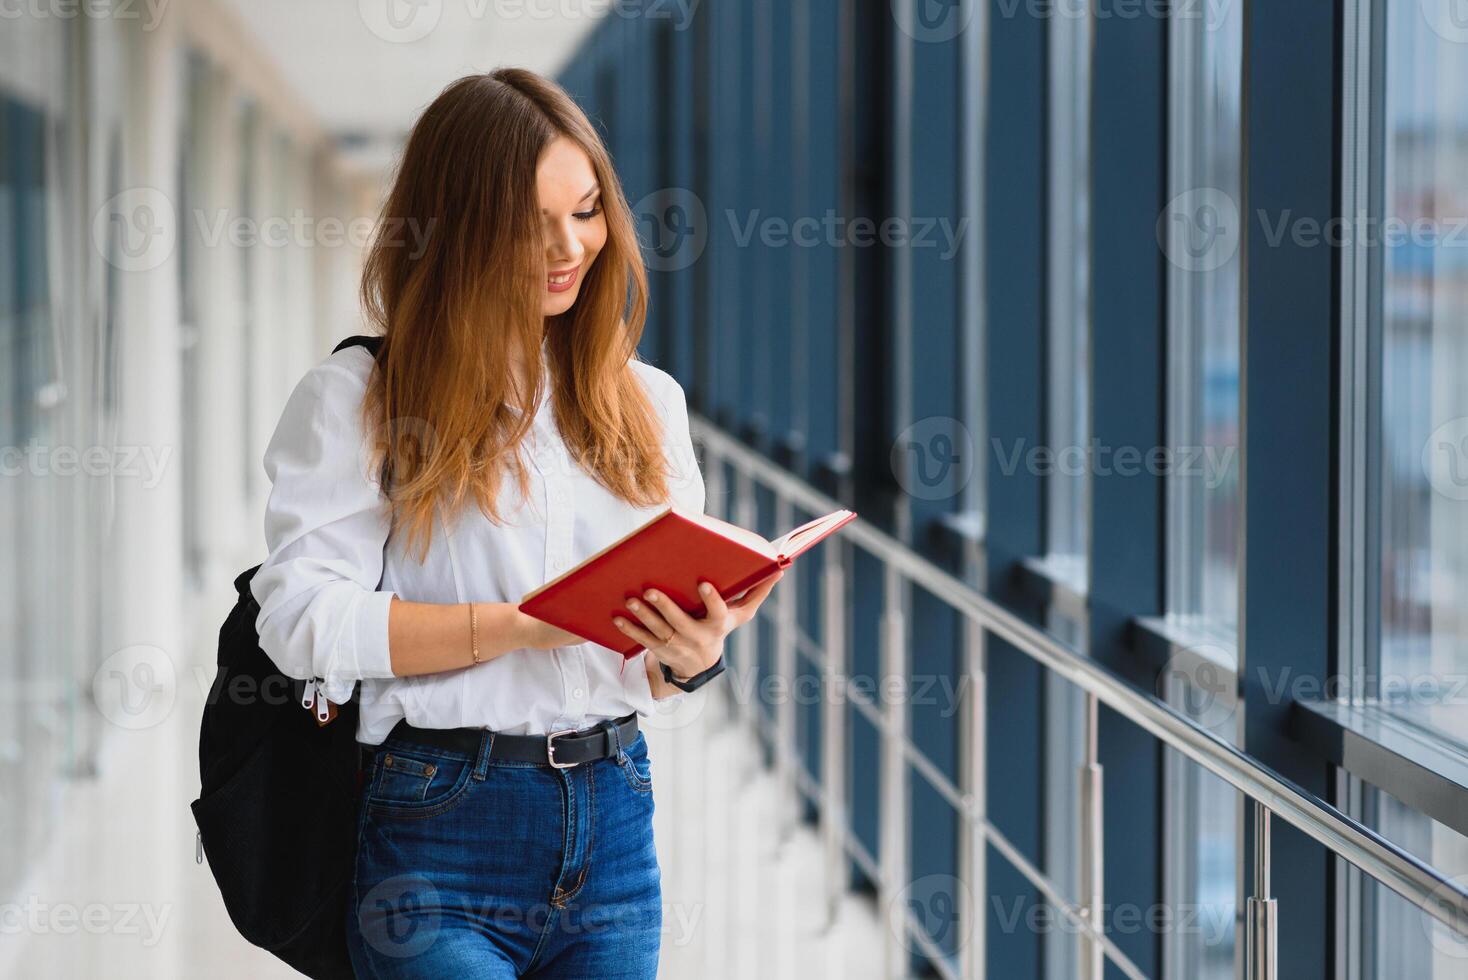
[{"x": 368, "y": 656}]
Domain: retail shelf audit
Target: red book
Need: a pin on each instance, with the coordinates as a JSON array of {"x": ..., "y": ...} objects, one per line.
[{"x": 673, "y": 552}]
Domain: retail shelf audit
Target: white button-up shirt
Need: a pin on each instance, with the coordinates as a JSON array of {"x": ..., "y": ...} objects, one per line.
[{"x": 333, "y": 567}]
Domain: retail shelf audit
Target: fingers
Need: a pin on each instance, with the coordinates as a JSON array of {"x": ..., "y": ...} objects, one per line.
[
  {"x": 715, "y": 609},
  {"x": 673, "y": 614},
  {"x": 652, "y": 620},
  {"x": 638, "y": 633}
]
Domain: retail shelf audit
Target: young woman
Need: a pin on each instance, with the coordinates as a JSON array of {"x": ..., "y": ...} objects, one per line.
[{"x": 505, "y": 431}]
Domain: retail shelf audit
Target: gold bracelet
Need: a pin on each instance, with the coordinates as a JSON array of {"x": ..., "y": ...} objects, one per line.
[{"x": 474, "y": 633}]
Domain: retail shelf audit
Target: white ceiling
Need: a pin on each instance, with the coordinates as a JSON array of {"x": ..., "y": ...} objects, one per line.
[{"x": 367, "y": 67}]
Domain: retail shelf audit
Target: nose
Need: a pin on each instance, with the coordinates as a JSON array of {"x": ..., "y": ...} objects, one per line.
[{"x": 562, "y": 246}]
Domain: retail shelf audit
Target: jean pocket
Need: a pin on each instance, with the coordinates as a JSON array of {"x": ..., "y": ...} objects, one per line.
[
  {"x": 636, "y": 766},
  {"x": 410, "y": 782}
]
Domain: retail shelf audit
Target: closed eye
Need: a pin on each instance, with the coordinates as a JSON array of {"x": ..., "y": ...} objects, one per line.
[{"x": 587, "y": 215}]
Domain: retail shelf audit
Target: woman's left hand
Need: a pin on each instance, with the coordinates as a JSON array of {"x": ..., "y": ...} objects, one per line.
[{"x": 687, "y": 645}]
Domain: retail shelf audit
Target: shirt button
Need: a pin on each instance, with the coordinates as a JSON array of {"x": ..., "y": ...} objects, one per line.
[{"x": 578, "y": 692}]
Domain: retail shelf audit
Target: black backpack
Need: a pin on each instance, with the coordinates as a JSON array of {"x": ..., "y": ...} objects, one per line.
[{"x": 277, "y": 809}]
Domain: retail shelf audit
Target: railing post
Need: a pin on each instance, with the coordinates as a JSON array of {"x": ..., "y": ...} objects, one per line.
[
  {"x": 973, "y": 844},
  {"x": 1092, "y": 854},
  {"x": 718, "y": 504},
  {"x": 833, "y": 727},
  {"x": 1262, "y": 924},
  {"x": 893, "y": 807},
  {"x": 745, "y": 646},
  {"x": 787, "y": 763}
]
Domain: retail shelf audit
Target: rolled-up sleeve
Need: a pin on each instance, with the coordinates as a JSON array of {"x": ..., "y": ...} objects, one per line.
[{"x": 322, "y": 613}]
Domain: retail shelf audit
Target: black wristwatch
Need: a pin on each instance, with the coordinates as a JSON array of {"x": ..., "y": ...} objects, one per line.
[{"x": 697, "y": 680}]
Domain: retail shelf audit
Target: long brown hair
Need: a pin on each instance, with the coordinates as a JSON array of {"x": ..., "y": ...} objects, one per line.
[{"x": 445, "y": 416}]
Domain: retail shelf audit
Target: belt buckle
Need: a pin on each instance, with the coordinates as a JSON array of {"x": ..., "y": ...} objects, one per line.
[{"x": 550, "y": 748}]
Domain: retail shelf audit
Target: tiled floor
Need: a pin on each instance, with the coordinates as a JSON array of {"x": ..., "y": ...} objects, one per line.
[{"x": 119, "y": 894}]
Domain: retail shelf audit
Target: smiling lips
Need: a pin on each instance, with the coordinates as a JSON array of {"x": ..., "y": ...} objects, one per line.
[{"x": 559, "y": 282}]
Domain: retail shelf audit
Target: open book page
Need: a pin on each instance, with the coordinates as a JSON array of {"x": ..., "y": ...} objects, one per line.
[
  {"x": 802, "y": 537},
  {"x": 733, "y": 532}
]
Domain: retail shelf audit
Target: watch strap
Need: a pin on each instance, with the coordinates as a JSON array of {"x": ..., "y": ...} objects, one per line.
[{"x": 697, "y": 680}]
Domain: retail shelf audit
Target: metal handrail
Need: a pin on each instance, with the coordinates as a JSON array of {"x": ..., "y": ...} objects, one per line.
[{"x": 1344, "y": 836}]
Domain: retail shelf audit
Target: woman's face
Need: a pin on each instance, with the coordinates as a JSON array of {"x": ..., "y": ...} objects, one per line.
[{"x": 571, "y": 213}]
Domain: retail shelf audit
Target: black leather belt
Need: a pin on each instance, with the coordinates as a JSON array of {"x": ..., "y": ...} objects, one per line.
[{"x": 563, "y": 749}]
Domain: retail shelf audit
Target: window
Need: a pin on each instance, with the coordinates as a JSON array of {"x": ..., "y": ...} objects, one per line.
[
  {"x": 1404, "y": 443},
  {"x": 1202, "y": 244},
  {"x": 1069, "y": 293},
  {"x": 1421, "y": 469},
  {"x": 1200, "y": 238}
]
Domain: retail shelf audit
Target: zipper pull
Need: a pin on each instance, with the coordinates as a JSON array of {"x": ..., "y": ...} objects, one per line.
[
  {"x": 323, "y": 708},
  {"x": 308, "y": 696},
  {"x": 198, "y": 847}
]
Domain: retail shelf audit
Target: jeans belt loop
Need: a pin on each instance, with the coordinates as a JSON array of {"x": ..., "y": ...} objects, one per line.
[
  {"x": 486, "y": 749},
  {"x": 615, "y": 741}
]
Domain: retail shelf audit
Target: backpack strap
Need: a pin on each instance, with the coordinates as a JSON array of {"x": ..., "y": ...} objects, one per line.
[{"x": 373, "y": 344}]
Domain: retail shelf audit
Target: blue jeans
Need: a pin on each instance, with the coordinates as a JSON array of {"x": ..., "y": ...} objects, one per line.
[{"x": 483, "y": 868}]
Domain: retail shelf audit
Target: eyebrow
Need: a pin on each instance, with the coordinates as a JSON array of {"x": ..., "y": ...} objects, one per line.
[{"x": 595, "y": 188}]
